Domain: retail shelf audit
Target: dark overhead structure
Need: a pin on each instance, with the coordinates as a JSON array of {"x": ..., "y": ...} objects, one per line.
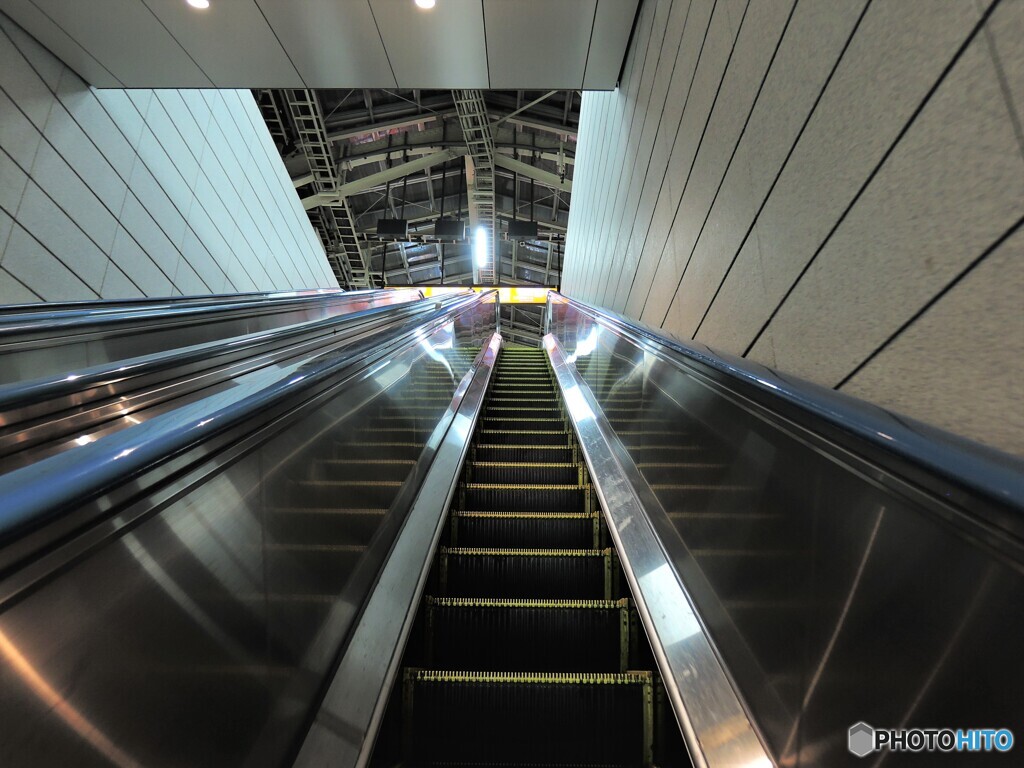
[{"x": 400, "y": 183}]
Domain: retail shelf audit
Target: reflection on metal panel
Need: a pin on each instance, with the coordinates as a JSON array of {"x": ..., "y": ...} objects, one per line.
[
  {"x": 197, "y": 626},
  {"x": 835, "y": 590},
  {"x": 714, "y": 721}
]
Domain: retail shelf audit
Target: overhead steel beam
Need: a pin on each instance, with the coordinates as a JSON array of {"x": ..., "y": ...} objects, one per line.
[
  {"x": 476, "y": 131},
  {"x": 334, "y": 223},
  {"x": 365, "y": 130},
  {"x": 523, "y": 108},
  {"x": 546, "y": 178},
  {"x": 382, "y": 177}
]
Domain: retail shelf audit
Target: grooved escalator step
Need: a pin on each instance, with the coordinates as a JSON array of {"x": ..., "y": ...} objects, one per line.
[
  {"x": 524, "y": 530},
  {"x": 571, "y": 574},
  {"x": 520, "y": 423},
  {"x": 565, "y": 473},
  {"x": 533, "y": 399},
  {"x": 523, "y": 409},
  {"x": 521, "y": 436},
  {"x": 537, "y": 497},
  {"x": 484, "y": 451},
  {"x": 489, "y": 719},
  {"x": 527, "y": 635}
]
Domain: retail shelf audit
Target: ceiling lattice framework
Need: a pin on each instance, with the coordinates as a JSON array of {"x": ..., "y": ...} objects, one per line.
[{"x": 357, "y": 155}]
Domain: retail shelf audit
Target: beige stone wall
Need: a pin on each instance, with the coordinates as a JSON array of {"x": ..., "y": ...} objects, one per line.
[{"x": 833, "y": 189}]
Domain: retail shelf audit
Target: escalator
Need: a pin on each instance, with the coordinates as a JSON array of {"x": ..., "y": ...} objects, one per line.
[
  {"x": 384, "y": 535},
  {"x": 527, "y": 649}
]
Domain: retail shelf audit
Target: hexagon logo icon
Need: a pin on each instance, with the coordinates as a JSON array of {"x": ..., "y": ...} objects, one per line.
[{"x": 861, "y": 739}]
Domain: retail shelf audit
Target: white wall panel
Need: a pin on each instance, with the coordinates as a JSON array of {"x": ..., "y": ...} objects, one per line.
[{"x": 125, "y": 193}]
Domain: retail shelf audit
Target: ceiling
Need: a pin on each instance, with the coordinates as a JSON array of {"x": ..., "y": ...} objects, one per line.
[
  {"x": 375, "y": 143},
  {"x": 496, "y": 44}
]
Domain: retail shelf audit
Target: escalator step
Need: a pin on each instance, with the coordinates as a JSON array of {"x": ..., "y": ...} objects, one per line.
[
  {"x": 572, "y": 574},
  {"x": 521, "y": 423},
  {"x": 552, "y": 530},
  {"x": 524, "y": 472},
  {"x": 519, "y": 437},
  {"x": 532, "y": 411},
  {"x": 479, "y": 718},
  {"x": 527, "y": 635},
  {"x": 491, "y": 452},
  {"x": 496, "y": 497},
  {"x": 535, "y": 399}
]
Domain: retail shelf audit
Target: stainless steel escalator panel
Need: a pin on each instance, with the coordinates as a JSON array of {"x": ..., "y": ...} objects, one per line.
[
  {"x": 201, "y": 633},
  {"x": 346, "y": 724},
  {"x": 715, "y": 722},
  {"x": 889, "y": 601}
]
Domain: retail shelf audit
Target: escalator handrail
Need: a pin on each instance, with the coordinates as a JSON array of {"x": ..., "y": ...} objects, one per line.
[
  {"x": 24, "y": 393},
  {"x": 42, "y": 325},
  {"x": 40, "y": 492},
  {"x": 120, "y": 305},
  {"x": 947, "y": 465}
]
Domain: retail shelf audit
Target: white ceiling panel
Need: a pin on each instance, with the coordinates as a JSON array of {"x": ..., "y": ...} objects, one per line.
[
  {"x": 28, "y": 16},
  {"x": 333, "y": 44},
  {"x": 538, "y": 43},
  {"x": 126, "y": 38},
  {"x": 612, "y": 25},
  {"x": 215, "y": 37},
  {"x": 512, "y": 44},
  {"x": 428, "y": 48}
]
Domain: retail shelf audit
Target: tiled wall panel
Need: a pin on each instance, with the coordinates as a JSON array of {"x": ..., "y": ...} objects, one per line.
[
  {"x": 114, "y": 194},
  {"x": 833, "y": 189}
]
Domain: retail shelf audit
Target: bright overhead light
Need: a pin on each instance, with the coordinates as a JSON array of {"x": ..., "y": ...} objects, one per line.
[
  {"x": 480, "y": 247},
  {"x": 426, "y": 5},
  {"x": 200, "y": 4}
]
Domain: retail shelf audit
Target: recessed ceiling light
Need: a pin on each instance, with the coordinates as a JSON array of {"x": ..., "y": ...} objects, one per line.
[
  {"x": 426, "y": 5},
  {"x": 201, "y": 4}
]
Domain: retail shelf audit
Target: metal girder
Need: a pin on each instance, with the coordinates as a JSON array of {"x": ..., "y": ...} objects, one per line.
[
  {"x": 476, "y": 130},
  {"x": 334, "y": 223},
  {"x": 382, "y": 177},
  {"x": 546, "y": 178},
  {"x": 391, "y": 125},
  {"x": 272, "y": 116}
]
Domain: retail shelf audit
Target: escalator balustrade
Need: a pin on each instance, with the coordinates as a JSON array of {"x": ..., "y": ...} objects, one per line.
[{"x": 326, "y": 517}]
